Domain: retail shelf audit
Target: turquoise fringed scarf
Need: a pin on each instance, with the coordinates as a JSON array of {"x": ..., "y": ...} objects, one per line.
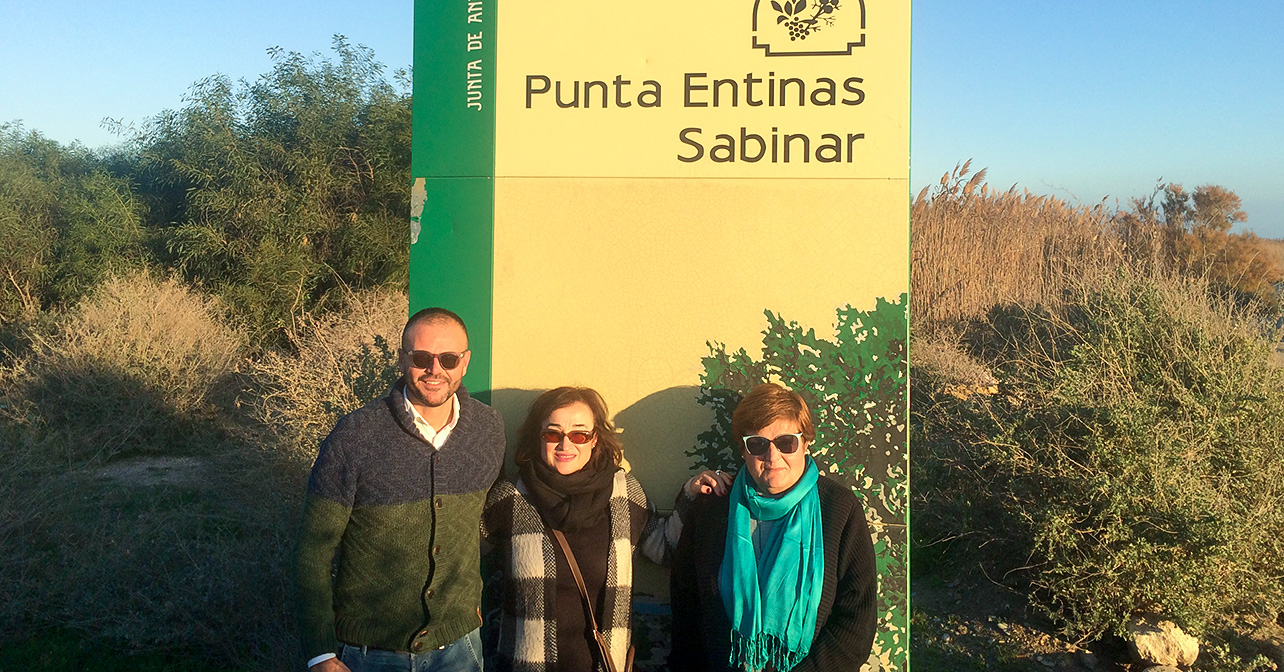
[{"x": 772, "y": 599}]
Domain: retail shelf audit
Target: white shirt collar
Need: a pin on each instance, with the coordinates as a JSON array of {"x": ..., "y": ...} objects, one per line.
[{"x": 435, "y": 438}]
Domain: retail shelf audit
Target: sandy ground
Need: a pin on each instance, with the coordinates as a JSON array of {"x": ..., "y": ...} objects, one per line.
[{"x": 159, "y": 470}]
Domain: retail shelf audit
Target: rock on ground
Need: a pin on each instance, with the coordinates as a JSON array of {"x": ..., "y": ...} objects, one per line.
[{"x": 1158, "y": 642}]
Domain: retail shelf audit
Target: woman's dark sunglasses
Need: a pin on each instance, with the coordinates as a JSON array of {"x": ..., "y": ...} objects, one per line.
[
  {"x": 422, "y": 359},
  {"x": 785, "y": 443},
  {"x": 577, "y": 437}
]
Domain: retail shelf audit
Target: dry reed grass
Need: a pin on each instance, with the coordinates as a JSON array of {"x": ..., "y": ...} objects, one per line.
[
  {"x": 163, "y": 331},
  {"x": 973, "y": 248},
  {"x": 336, "y": 364},
  {"x": 941, "y": 361},
  {"x": 124, "y": 373}
]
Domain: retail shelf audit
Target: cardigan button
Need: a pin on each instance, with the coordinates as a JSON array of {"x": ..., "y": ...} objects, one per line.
[
  {"x": 436, "y": 549},
  {"x": 438, "y": 502},
  {"x": 417, "y": 647},
  {"x": 430, "y": 593}
]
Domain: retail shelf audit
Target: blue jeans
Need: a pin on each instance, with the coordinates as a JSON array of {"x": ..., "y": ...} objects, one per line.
[{"x": 462, "y": 655}]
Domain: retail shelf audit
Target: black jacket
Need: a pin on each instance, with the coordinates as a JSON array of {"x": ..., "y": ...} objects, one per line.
[{"x": 848, "y": 610}]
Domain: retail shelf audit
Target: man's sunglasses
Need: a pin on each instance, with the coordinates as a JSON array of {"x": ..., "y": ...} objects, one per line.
[
  {"x": 577, "y": 437},
  {"x": 422, "y": 359},
  {"x": 785, "y": 443}
]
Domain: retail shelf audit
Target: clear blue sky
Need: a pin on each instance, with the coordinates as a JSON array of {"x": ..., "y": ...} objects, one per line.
[{"x": 1088, "y": 99}]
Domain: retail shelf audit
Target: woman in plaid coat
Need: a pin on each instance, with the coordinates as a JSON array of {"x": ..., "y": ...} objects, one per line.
[{"x": 571, "y": 480}]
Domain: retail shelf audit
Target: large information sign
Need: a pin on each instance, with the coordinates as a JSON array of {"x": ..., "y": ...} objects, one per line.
[{"x": 604, "y": 190}]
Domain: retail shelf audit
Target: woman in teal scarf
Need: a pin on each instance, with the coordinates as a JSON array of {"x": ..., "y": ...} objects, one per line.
[{"x": 780, "y": 575}]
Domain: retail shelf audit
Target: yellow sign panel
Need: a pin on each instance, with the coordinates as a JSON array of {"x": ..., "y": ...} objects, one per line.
[
  {"x": 618, "y": 284},
  {"x": 675, "y": 89}
]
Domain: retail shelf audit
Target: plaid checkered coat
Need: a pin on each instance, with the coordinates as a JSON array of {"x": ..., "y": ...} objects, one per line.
[{"x": 527, "y": 623}]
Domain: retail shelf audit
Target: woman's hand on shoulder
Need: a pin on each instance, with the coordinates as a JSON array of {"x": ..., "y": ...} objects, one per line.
[{"x": 710, "y": 482}]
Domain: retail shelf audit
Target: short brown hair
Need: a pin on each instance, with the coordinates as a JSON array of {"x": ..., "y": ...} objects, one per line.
[
  {"x": 766, "y": 404},
  {"x": 529, "y": 443}
]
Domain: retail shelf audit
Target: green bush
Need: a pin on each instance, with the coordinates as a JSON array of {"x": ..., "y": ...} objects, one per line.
[
  {"x": 856, "y": 389},
  {"x": 279, "y": 195},
  {"x": 282, "y": 194},
  {"x": 66, "y": 224},
  {"x": 1130, "y": 464}
]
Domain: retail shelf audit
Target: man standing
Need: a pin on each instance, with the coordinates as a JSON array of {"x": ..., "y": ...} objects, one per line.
[{"x": 398, "y": 489}]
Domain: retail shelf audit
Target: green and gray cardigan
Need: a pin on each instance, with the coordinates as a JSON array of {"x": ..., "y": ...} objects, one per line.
[{"x": 404, "y": 519}]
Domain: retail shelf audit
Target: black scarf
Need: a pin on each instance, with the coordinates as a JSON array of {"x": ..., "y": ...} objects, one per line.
[{"x": 569, "y": 502}]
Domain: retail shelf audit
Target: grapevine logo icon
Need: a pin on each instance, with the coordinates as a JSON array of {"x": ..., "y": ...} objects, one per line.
[
  {"x": 799, "y": 25},
  {"x": 808, "y": 27}
]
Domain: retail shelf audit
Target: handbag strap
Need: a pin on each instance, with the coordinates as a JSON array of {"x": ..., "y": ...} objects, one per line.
[{"x": 588, "y": 603}]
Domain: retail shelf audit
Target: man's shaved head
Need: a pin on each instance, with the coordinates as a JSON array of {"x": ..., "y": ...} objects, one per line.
[{"x": 431, "y": 316}]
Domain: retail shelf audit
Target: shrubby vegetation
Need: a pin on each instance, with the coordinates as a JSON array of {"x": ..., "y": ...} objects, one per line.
[
  {"x": 338, "y": 363},
  {"x": 151, "y": 469},
  {"x": 132, "y": 370},
  {"x": 1131, "y": 459},
  {"x": 1106, "y": 437},
  {"x": 181, "y": 319},
  {"x": 1198, "y": 243},
  {"x": 277, "y": 195},
  {"x": 66, "y": 223}
]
